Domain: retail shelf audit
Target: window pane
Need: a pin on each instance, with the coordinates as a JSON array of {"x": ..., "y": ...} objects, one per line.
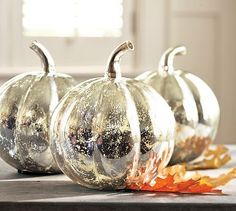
[{"x": 67, "y": 18}]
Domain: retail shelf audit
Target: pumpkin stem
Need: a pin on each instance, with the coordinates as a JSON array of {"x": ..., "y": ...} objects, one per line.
[
  {"x": 45, "y": 56},
  {"x": 167, "y": 59},
  {"x": 113, "y": 64}
]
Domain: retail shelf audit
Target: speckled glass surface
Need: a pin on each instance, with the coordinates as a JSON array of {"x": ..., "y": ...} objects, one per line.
[
  {"x": 194, "y": 105},
  {"x": 26, "y": 105},
  {"x": 107, "y": 128}
]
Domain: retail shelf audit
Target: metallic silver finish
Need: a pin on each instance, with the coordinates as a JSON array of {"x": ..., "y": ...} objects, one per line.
[
  {"x": 194, "y": 105},
  {"x": 113, "y": 66},
  {"x": 46, "y": 58},
  {"x": 26, "y": 105},
  {"x": 106, "y": 129}
]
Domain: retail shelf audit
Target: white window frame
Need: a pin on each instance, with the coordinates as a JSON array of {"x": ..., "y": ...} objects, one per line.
[
  {"x": 145, "y": 20},
  {"x": 68, "y": 52}
]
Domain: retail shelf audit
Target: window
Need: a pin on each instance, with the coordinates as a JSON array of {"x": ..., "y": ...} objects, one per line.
[
  {"x": 78, "y": 33},
  {"x": 84, "y": 18}
]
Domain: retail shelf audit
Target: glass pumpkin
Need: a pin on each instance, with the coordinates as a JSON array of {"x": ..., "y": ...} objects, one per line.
[
  {"x": 105, "y": 129},
  {"x": 26, "y": 104},
  {"x": 194, "y": 105}
]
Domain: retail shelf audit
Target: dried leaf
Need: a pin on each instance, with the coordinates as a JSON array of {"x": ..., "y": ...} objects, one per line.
[
  {"x": 220, "y": 180},
  {"x": 212, "y": 159},
  {"x": 178, "y": 180},
  {"x": 168, "y": 184}
]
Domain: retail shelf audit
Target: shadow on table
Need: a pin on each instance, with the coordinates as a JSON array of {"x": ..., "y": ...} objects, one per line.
[
  {"x": 7, "y": 172},
  {"x": 13, "y": 175}
]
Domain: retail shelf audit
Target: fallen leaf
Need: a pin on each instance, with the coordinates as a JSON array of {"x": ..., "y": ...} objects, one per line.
[
  {"x": 177, "y": 178},
  {"x": 212, "y": 159}
]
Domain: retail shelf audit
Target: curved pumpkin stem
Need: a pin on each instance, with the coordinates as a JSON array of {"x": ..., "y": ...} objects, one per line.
[
  {"x": 46, "y": 58},
  {"x": 167, "y": 59},
  {"x": 113, "y": 64}
]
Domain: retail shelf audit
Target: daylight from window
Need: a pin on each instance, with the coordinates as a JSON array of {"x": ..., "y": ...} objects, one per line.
[{"x": 71, "y": 18}]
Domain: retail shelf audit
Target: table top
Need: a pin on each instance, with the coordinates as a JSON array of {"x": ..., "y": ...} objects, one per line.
[{"x": 57, "y": 192}]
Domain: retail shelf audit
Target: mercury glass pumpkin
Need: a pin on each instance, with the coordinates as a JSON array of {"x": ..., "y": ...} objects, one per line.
[
  {"x": 194, "y": 105},
  {"x": 106, "y": 129},
  {"x": 26, "y": 104}
]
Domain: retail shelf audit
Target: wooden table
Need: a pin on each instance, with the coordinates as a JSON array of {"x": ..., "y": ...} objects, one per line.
[{"x": 57, "y": 192}]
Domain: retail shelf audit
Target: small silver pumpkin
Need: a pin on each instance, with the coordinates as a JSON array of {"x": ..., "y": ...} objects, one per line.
[
  {"x": 194, "y": 104},
  {"x": 26, "y": 104},
  {"x": 106, "y": 129}
]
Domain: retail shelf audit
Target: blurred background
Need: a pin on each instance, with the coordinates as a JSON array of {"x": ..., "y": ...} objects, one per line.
[{"x": 80, "y": 34}]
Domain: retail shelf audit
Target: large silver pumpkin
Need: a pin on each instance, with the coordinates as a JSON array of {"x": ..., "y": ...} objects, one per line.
[
  {"x": 26, "y": 105},
  {"x": 106, "y": 129},
  {"x": 194, "y": 105}
]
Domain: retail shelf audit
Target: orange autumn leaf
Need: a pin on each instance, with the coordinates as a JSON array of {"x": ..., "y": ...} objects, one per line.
[
  {"x": 177, "y": 179},
  {"x": 168, "y": 185}
]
